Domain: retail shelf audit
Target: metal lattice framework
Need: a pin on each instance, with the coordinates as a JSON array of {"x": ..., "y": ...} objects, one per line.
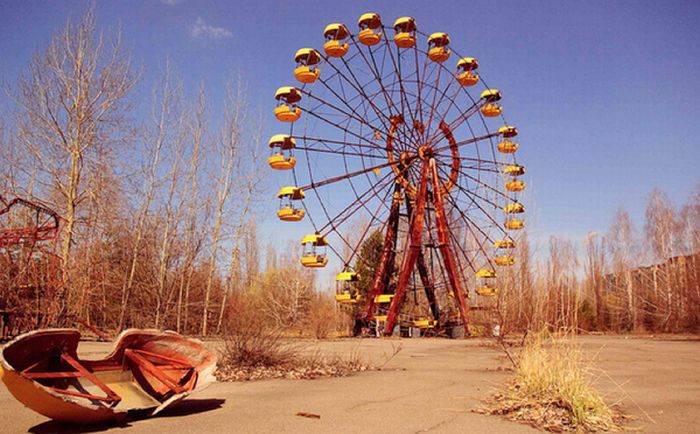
[
  {"x": 390, "y": 133},
  {"x": 30, "y": 277}
]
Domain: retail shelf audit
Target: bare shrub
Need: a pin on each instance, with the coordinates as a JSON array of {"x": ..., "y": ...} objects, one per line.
[
  {"x": 321, "y": 320},
  {"x": 249, "y": 343},
  {"x": 254, "y": 351}
]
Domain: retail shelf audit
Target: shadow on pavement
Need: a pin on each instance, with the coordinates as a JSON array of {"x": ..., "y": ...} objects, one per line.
[{"x": 184, "y": 408}]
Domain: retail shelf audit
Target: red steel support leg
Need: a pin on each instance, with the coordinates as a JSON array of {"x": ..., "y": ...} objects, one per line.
[
  {"x": 409, "y": 259},
  {"x": 443, "y": 244},
  {"x": 424, "y": 276},
  {"x": 386, "y": 263},
  {"x": 428, "y": 285}
]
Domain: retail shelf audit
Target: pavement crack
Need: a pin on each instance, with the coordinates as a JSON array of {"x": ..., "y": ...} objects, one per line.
[{"x": 438, "y": 425}]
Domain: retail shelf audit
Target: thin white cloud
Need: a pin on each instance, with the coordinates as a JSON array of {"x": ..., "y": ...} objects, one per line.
[
  {"x": 170, "y": 2},
  {"x": 202, "y": 30}
]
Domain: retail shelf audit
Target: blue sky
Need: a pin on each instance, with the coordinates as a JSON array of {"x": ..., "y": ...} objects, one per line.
[{"x": 605, "y": 93}]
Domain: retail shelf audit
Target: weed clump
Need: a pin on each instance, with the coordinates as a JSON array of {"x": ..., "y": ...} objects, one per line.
[{"x": 553, "y": 389}]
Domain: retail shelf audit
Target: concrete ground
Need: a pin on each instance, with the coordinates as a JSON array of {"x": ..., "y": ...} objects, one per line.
[{"x": 428, "y": 386}]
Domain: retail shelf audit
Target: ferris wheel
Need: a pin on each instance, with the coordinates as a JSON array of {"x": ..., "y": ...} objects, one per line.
[{"x": 390, "y": 130}]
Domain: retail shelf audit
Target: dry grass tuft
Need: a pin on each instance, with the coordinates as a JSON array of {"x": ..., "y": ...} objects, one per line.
[{"x": 553, "y": 389}]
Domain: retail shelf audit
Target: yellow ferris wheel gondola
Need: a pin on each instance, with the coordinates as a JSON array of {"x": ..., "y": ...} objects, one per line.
[
  {"x": 306, "y": 70},
  {"x": 287, "y": 211},
  {"x": 287, "y": 98},
  {"x": 515, "y": 185},
  {"x": 437, "y": 47},
  {"x": 282, "y": 157},
  {"x": 484, "y": 286},
  {"x": 514, "y": 224},
  {"x": 508, "y": 132},
  {"x": 506, "y": 243},
  {"x": 335, "y": 35},
  {"x": 405, "y": 36},
  {"x": 369, "y": 25},
  {"x": 425, "y": 323},
  {"x": 491, "y": 110},
  {"x": 466, "y": 75},
  {"x": 514, "y": 170},
  {"x": 514, "y": 208},
  {"x": 314, "y": 252},
  {"x": 507, "y": 147},
  {"x": 345, "y": 292}
]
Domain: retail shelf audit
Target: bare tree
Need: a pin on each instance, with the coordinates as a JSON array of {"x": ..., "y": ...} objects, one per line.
[
  {"x": 156, "y": 136},
  {"x": 661, "y": 230},
  {"x": 594, "y": 269},
  {"x": 228, "y": 144},
  {"x": 72, "y": 104},
  {"x": 621, "y": 245}
]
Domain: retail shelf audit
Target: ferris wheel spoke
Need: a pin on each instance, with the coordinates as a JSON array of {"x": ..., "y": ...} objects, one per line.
[
  {"x": 387, "y": 97},
  {"x": 362, "y": 200},
  {"x": 340, "y": 142},
  {"x": 485, "y": 185},
  {"x": 453, "y": 125},
  {"x": 343, "y": 177},
  {"x": 419, "y": 86},
  {"x": 380, "y": 114},
  {"x": 377, "y": 75},
  {"x": 355, "y": 248},
  {"x": 471, "y": 195},
  {"x": 352, "y": 116},
  {"x": 457, "y": 246},
  {"x": 396, "y": 63},
  {"x": 338, "y": 152},
  {"x": 469, "y": 224},
  {"x": 433, "y": 106},
  {"x": 469, "y": 141},
  {"x": 469, "y": 160},
  {"x": 344, "y": 129}
]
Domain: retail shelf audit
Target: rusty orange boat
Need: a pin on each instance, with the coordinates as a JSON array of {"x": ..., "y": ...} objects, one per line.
[{"x": 147, "y": 370}]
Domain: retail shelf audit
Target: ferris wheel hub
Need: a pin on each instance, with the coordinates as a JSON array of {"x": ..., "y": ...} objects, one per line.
[{"x": 425, "y": 152}]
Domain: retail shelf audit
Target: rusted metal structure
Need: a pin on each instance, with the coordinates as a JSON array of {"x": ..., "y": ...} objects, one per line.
[
  {"x": 31, "y": 286},
  {"x": 146, "y": 370},
  {"x": 393, "y": 137}
]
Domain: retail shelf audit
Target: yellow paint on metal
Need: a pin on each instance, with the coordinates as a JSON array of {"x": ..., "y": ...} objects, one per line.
[
  {"x": 290, "y": 214},
  {"x": 514, "y": 170},
  {"x": 468, "y": 78},
  {"x": 283, "y": 113},
  {"x": 307, "y": 56},
  {"x": 315, "y": 239},
  {"x": 514, "y": 224},
  {"x": 347, "y": 276},
  {"x": 485, "y": 274},
  {"x": 507, "y": 147},
  {"x": 515, "y": 185},
  {"x": 491, "y": 110},
  {"x": 283, "y": 141},
  {"x": 508, "y": 131},
  {"x": 491, "y": 95},
  {"x": 295, "y": 193},
  {"x": 304, "y": 74},
  {"x": 504, "y": 261},
  {"x": 504, "y": 244},
  {"x": 279, "y": 162},
  {"x": 514, "y": 208},
  {"x": 314, "y": 261},
  {"x": 383, "y": 298},
  {"x": 468, "y": 63},
  {"x": 334, "y": 48}
]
